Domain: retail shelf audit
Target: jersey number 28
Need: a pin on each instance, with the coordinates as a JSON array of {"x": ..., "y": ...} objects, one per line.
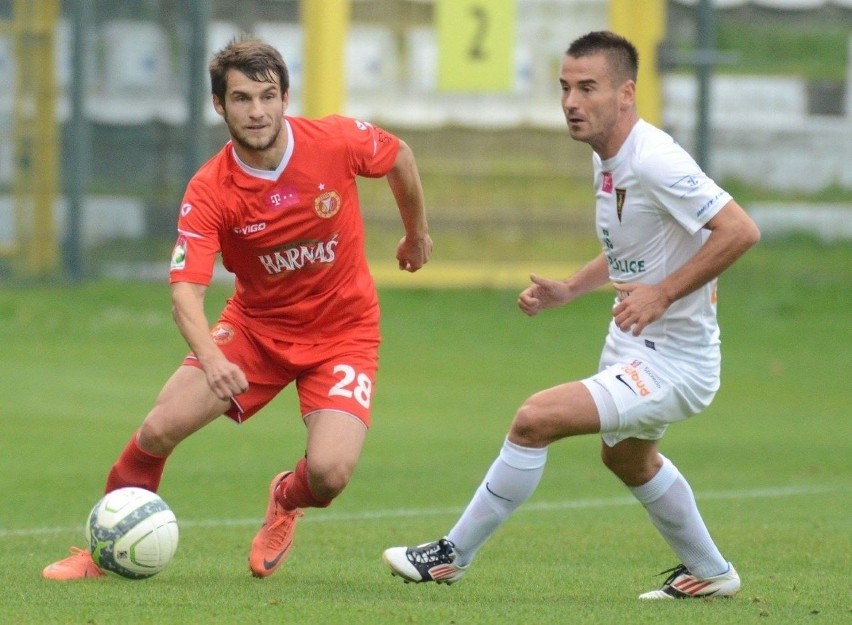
[{"x": 352, "y": 385}]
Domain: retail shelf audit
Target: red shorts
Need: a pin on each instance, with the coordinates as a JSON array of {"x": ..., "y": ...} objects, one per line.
[{"x": 337, "y": 375}]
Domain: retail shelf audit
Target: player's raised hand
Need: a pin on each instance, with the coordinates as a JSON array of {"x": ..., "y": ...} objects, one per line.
[{"x": 542, "y": 293}]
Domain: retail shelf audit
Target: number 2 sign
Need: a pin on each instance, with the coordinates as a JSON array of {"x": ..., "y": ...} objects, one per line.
[{"x": 476, "y": 44}]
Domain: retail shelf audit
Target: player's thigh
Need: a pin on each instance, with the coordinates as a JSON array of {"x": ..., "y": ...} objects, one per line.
[
  {"x": 555, "y": 413},
  {"x": 185, "y": 404}
]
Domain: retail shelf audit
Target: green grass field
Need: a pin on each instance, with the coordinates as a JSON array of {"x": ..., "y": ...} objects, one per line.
[{"x": 769, "y": 462}]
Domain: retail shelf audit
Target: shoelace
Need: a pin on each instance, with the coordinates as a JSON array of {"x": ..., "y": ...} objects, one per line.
[
  {"x": 282, "y": 518},
  {"x": 76, "y": 554},
  {"x": 439, "y": 552},
  {"x": 674, "y": 573}
]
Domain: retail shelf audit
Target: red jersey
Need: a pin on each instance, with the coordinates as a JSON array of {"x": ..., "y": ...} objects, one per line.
[{"x": 294, "y": 239}]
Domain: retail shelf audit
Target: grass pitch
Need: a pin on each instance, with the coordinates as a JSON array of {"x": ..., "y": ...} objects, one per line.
[{"x": 769, "y": 462}]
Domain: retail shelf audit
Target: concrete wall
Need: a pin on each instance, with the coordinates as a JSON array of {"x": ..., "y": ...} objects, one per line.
[{"x": 763, "y": 132}]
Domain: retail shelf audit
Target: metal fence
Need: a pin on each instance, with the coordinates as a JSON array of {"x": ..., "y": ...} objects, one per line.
[{"x": 144, "y": 140}]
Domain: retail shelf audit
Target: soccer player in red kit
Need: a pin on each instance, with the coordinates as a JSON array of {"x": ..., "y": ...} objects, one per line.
[{"x": 279, "y": 203}]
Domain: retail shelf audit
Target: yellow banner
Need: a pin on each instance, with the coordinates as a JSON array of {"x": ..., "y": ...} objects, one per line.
[
  {"x": 643, "y": 23},
  {"x": 476, "y": 45}
]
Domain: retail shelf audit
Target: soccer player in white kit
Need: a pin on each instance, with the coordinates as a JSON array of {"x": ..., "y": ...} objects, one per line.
[{"x": 667, "y": 232}]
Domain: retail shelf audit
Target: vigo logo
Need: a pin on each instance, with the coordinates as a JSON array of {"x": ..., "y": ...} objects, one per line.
[
  {"x": 300, "y": 255},
  {"x": 250, "y": 228}
]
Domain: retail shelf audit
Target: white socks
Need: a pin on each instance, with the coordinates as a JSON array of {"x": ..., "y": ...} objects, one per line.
[
  {"x": 671, "y": 506},
  {"x": 509, "y": 482},
  {"x": 515, "y": 474}
]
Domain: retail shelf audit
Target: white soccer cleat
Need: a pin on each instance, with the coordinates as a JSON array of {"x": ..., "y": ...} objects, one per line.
[
  {"x": 429, "y": 562},
  {"x": 682, "y": 584}
]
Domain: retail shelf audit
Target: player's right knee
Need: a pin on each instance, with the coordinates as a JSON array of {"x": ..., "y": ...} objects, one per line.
[{"x": 155, "y": 438}]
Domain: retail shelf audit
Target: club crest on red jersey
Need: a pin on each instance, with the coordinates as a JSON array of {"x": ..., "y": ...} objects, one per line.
[
  {"x": 222, "y": 333},
  {"x": 327, "y": 204}
]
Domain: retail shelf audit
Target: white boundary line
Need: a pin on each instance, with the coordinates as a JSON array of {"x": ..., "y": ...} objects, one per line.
[{"x": 545, "y": 506}]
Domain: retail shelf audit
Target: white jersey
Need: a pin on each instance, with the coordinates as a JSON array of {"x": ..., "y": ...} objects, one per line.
[{"x": 652, "y": 200}]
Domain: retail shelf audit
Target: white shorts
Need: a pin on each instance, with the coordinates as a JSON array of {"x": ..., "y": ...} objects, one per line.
[{"x": 638, "y": 395}]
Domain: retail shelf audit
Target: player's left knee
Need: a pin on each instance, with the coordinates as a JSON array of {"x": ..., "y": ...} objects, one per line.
[{"x": 328, "y": 482}]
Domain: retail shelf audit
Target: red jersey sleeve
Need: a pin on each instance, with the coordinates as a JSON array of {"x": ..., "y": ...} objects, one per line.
[
  {"x": 199, "y": 224},
  {"x": 372, "y": 150}
]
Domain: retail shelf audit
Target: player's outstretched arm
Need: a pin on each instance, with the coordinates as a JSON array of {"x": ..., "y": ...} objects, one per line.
[
  {"x": 547, "y": 293},
  {"x": 415, "y": 247},
  {"x": 224, "y": 377}
]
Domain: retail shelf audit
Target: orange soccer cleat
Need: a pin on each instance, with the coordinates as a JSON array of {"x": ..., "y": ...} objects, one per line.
[
  {"x": 79, "y": 565},
  {"x": 272, "y": 543}
]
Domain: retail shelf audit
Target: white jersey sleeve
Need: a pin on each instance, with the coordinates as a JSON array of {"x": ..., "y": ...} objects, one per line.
[{"x": 675, "y": 181}]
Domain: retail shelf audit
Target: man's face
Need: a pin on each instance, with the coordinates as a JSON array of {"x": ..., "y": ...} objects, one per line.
[
  {"x": 252, "y": 110},
  {"x": 590, "y": 102}
]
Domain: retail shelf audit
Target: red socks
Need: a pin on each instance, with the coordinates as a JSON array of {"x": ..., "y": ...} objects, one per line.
[
  {"x": 136, "y": 467},
  {"x": 294, "y": 491}
]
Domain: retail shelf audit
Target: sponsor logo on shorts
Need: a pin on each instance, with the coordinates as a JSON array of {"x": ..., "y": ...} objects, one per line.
[
  {"x": 620, "y": 378},
  {"x": 639, "y": 378},
  {"x": 222, "y": 333}
]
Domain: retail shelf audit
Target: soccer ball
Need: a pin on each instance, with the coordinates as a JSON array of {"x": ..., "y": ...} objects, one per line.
[{"x": 132, "y": 532}]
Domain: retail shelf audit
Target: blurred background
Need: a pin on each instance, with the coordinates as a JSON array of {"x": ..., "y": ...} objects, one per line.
[{"x": 105, "y": 114}]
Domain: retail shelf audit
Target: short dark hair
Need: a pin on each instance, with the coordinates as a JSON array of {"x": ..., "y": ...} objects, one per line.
[
  {"x": 254, "y": 58},
  {"x": 622, "y": 57}
]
